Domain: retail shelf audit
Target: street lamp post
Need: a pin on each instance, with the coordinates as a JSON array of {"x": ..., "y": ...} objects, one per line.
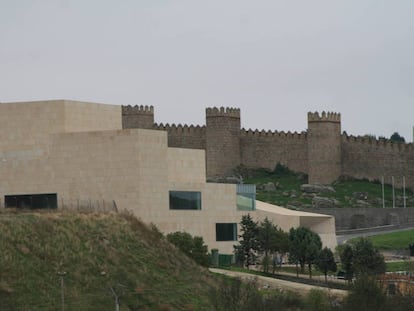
[{"x": 62, "y": 288}]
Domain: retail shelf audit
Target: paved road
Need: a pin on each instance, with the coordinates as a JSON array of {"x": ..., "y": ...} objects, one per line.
[
  {"x": 341, "y": 239},
  {"x": 267, "y": 282}
]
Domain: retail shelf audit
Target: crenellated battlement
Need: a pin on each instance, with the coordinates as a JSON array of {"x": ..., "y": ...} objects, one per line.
[
  {"x": 132, "y": 110},
  {"x": 267, "y": 134},
  {"x": 223, "y": 112},
  {"x": 190, "y": 129},
  {"x": 381, "y": 143},
  {"x": 324, "y": 117}
]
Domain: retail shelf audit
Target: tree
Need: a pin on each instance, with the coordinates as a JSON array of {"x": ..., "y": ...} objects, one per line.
[
  {"x": 304, "y": 247},
  {"x": 347, "y": 255},
  {"x": 193, "y": 247},
  {"x": 367, "y": 260},
  {"x": 248, "y": 245},
  {"x": 397, "y": 138},
  {"x": 326, "y": 262},
  {"x": 361, "y": 258},
  {"x": 271, "y": 239}
]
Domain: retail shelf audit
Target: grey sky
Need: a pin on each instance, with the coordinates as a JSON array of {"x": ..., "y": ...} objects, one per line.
[{"x": 276, "y": 60}]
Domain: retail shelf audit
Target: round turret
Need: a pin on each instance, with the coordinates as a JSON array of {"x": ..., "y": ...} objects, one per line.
[
  {"x": 222, "y": 140},
  {"x": 324, "y": 147}
]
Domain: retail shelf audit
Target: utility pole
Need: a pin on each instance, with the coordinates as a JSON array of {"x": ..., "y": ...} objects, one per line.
[
  {"x": 383, "y": 199},
  {"x": 62, "y": 288},
  {"x": 393, "y": 192},
  {"x": 116, "y": 298}
]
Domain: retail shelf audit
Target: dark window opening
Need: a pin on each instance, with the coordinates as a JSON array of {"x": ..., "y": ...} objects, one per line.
[
  {"x": 31, "y": 201},
  {"x": 226, "y": 232},
  {"x": 185, "y": 200}
]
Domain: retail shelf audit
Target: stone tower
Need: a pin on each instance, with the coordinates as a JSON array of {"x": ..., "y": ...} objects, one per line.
[
  {"x": 324, "y": 147},
  {"x": 222, "y": 140},
  {"x": 137, "y": 117}
]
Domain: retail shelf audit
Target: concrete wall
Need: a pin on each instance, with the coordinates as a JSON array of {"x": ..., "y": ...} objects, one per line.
[{"x": 357, "y": 218}]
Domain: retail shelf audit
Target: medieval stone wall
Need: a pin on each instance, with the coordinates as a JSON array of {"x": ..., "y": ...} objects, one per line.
[
  {"x": 324, "y": 147},
  {"x": 184, "y": 136},
  {"x": 322, "y": 152},
  {"x": 266, "y": 149},
  {"x": 370, "y": 158},
  {"x": 222, "y": 140},
  {"x": 137, "y": 117}
]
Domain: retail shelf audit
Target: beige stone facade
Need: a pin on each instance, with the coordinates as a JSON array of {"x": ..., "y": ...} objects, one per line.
[{"x": 79, "y": 152}]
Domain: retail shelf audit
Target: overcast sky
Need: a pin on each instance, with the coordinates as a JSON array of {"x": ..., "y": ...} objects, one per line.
[{"x": 275, "y": 60}]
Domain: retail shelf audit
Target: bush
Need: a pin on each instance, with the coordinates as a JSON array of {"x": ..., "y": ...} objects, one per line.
[{"x": 193, "y": 247}]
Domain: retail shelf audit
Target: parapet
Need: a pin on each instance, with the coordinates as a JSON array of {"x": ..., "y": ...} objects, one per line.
[
  {"x": 324, "y": 117},
  {"x": 223, "y": 112},
  {"x": 131, "y": 110}
]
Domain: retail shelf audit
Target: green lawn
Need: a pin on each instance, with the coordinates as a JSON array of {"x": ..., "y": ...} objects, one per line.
[{"x": 395, "y": 240}]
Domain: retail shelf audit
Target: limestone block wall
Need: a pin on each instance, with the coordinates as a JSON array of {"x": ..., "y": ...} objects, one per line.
[
  {"x": 82, "y": 116},
  {"x": 260, "y": 149},
  {"x": 371, "y": 159},
  {"x": 324, "y": 147},
  {"x": 24, "y": 127},
  {"x": 185, "y": 165}
]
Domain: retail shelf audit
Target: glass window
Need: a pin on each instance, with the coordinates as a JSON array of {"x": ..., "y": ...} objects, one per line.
[
  {"x": 185, "y": 200},
  {"x": 226, "y": 232},
  {"x": 31, "y": 201},
  {"x": 246, "y": 197}
]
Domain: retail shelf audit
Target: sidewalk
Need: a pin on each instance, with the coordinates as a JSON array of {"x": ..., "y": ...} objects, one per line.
[{"x": 272, "y": 283}]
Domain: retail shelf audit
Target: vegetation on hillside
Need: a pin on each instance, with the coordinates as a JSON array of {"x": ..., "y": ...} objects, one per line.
[
  {"x": 100, "y": 257},
  {"x": 347, "y": 192}
]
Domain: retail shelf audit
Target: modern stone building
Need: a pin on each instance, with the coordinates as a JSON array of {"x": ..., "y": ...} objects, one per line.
[{"x": 66, "y": 154}]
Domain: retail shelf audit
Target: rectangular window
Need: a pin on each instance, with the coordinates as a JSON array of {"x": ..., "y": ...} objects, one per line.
[
  {"x": 226, "y": 232},
  {"x": 246, "y": 197},
  {"x": 185, "y": 200},
  {"x": 31, "y": 201}
]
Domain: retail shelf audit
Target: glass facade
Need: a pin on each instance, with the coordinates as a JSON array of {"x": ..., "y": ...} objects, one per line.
[
  {"x": 246, "y": 197},
  {"x": 226, "y": 232},
  {"x": 185, "y": 200}
]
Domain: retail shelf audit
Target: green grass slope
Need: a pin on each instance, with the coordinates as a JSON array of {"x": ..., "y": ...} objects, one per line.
[
  {"x": 394, "y": 240},
  {"x": 103, "y": 255},
  {"x": 289, "y": 194}
]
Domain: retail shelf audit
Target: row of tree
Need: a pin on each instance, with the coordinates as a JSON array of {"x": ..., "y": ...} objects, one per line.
[{"x": 264, "y": 242}]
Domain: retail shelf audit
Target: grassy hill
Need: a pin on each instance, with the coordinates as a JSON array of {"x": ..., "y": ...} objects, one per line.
[
  {"x": 347, "y": 192},
  {"x": 102, "y": 255}
]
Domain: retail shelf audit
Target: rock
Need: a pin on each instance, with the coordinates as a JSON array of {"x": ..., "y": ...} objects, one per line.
[
  {"x": 321, "y": 202},
  {"x": 269, "y": 187},
  {"x": 308, "y": 195},
  {"x": 360, "y": 195},
  {"x": 315, "y": 188},
  {"x": 286, "y": 194}
]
